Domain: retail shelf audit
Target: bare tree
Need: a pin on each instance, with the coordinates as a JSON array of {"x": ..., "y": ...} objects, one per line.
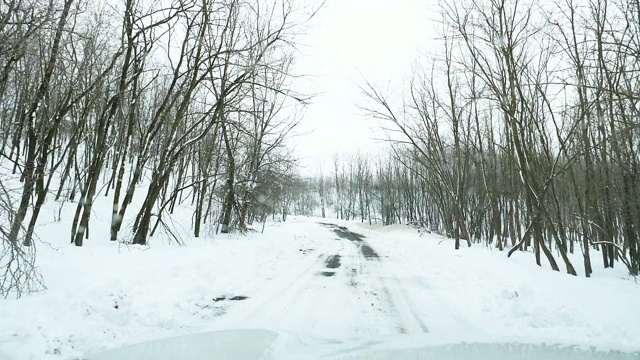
[
  {"x": 28, "y": 117},
  {"x": 18, "y": 272}
]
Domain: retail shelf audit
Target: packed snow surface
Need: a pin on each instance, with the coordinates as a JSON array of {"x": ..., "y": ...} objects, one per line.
[{"x": 347, "y": 288}]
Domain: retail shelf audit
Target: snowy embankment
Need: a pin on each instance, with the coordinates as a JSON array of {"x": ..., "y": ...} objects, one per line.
[
  {"x": 306, "y": 278},
  {"x": 483, "y": 292}
]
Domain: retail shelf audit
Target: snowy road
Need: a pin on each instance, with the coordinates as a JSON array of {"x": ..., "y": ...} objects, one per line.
[
  {"x": 344, "y": 288},
  {"x": 323, "y": 282},
  {"x": 354, "y": 281}
]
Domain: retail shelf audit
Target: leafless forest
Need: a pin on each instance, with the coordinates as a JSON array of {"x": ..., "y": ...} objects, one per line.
[
  {"x": 523, "y": 133},
  {"x": 190, "y": 98}
]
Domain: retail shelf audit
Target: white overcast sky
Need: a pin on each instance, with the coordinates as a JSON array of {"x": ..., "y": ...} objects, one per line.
[{"x": 348, "y": 42}]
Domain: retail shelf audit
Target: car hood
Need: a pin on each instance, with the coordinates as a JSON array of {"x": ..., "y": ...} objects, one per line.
[{"x": 266, "y": 344}]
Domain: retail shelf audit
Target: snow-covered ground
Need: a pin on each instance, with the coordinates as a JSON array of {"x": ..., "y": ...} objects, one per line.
[{"x": 340, "y": 283}]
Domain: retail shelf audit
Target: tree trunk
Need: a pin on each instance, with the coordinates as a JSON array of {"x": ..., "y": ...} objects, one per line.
[{"x": 230, "y": 194}]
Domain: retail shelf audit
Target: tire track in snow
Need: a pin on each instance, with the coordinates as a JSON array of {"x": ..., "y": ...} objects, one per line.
[
  {"x": 405, "y": 309},
  {"x": 398, "y": 304},
  {"x": 268, "y": 306},
  {"x": 307, "y": 298}
]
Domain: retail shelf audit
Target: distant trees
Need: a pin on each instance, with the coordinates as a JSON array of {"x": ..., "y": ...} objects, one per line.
[
  {"x": 352, "y": 185},
  {"x": 525, "y": 131}
]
